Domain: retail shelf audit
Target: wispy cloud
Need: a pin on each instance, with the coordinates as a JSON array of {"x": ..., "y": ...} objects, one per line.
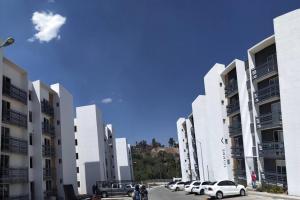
[
  {"x": 106, "y": 100},
  {"x": 47, "y": 25}
]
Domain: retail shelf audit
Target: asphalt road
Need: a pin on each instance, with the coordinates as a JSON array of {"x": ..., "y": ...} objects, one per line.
[{"x": 161, "y": 193}]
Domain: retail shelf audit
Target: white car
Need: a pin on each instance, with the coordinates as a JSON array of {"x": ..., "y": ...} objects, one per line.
[
  {"x": 188, "y": 187},
  {"x": 199, "y": 189},
  {"x": 177, "y": 186},
  {"x": 224, "y": 188}
]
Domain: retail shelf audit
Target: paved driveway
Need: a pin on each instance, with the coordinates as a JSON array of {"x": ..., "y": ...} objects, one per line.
[{"x": 161, "y": 193}]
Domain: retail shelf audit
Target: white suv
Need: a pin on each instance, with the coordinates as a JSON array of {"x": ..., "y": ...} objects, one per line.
[
  {"x": 177, "y": 186},
  {"x": 188, "y": 188},
  {"x": 199, "y": 189},
  {"x": 224, "y": 188}
]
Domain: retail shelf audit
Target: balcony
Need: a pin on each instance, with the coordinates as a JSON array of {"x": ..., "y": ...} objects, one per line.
[
  {"x": 48, "y": 173},
  {"x": 267, "y": 93},
  {"x": 235, "y": 129},
  {"x": 14, "y": 92},
  {"x": 266, "y": 69},
  {"x": 13, "y": 175},
  {"x": 231, "y": 88},
  {"x": 48, "y": 151},
  {"x": 272, "y": 150},
  {"x": 237, "y": 151},
  {"x": 47, "y": 108},
  {"x": 274, "y": 178},
  {"x": 48, "y": 129},
  {"x": 19, "y": 197},
  {"x": 268, "y": 121},
  {"x": 14, "y": 145},
  {"x": 232, "y": 108},
  {"x": 13, "y": 117}
]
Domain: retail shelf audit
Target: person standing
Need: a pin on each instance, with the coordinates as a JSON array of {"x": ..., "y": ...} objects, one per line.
[
  {"x": 136, "y": 193},
  {"x": 253, "y": 178},
  {"x": 94, "y": 189},
  {"x": 144, "y": 193}
]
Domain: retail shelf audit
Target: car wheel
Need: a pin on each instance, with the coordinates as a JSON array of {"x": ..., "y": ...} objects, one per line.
[
  {"x": 243, "y": 192},
  {"x": 201, "y": 192},
  {"x": 177, "y": 189},
  {"x": 104, "y": 194},
  {"x": 219, "y": 195}
]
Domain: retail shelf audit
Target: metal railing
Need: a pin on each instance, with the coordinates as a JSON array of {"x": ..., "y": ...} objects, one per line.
[
  {"x": 232, "y": 108},
  {"x": 13, "y": 175},
  {"x": 235, "y": 129},
  {"x": 270, "y": 120},
  {"x": 14, "y": 117},
  {"x": 231, "y": 88},
  {"x": 271, "y": 150},
  {"x": 274, "y": 178},
  {"x": 270, "y": 66},
  {"x": 237, "y": 151},
  {"x": 14, "y": 92},
  {"x": 14, "y": 145},
  {"x": 48, "y": 151},
  {"x": 267, "y": 92},
  {"x": 47, "y": 108},
  {"x": 48, "y": 173},
  {"x": 48, "y": 129}
]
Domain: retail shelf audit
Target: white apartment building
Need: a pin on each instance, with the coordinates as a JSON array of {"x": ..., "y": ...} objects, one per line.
[
  {"x": 247, "y": 120},
  {"x": 36, "y": 131},
  {"x": 124, "y": 163},
  {"x": 110, "y": 152}
]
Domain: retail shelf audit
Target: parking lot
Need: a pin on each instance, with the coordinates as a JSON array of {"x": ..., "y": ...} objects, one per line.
[{"x": 161, "y": 193}]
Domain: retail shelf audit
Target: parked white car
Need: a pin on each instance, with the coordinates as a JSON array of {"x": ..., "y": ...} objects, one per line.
[
  {"x": 224, "y": 188},
  {"x": 188, "y": 188},
  {"x": 199, "y": 189},
  {"x": 177, "y": 186}
]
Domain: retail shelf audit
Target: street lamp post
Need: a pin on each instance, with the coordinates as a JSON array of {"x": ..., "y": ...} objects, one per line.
[{"x": 8, "y": 41}]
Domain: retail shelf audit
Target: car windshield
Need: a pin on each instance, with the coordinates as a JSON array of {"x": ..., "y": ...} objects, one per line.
[
  {"x": 206, "y": 183},
  {"x": 196, "y": 183},
  {"x": 187, "y": 183}
]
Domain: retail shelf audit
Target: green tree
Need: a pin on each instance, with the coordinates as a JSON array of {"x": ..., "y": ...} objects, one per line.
[{"x": 171, "y": 142}]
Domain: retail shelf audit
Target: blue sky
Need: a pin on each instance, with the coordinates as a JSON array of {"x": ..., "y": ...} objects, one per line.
[{"x": 145, "y": 59}]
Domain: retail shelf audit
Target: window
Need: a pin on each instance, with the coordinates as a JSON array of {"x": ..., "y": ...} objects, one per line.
[
  {"x": 228, "y": 162},
  {"x": 77, "y": 156},
  {"x": 59, "y": 160},
  {"x": 30, "y": 116},
  {"x": 48, "y": 185},
  {"x": 4, "y": 191},
  {"x": 30, "y": 95},
  {"x": 230, "y": 183},
  {"x": 58, "y": 142},
  {"x": 221, "y": 84},
  {"x": 78, "y": 183},
  {"x": 58, "y": 122},
  {"x": 57, "y": 104},
  {"x": 222, "y": 102},
  {"x": 31, "y": 164},
  {"x": 76, "y": 143},
  {"x": 224, "y": 120},
  {"x": 75, "y": 128},
  {"x": 226, "y": 141},
  {"x": 110, "y": 136},
  {"x": 30, "y": 139},
  {"x": 77, "y": 169},
  {"x": 222, "y": 183},
  {"x": 4, "y": 161}
]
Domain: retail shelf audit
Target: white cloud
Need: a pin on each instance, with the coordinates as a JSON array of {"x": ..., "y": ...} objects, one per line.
[
  {"x": 47, "y": 25},
  {"x": 106, "y": 100}
]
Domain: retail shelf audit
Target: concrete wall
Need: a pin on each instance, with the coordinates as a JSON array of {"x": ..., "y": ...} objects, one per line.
[
  {"x": 287, "y": 37},
  {"x": 123, "y": 161}
]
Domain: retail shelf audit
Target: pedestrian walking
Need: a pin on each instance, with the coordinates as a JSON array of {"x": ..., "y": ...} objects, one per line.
[
  {"x": 136, "y": 193},
  {"x": 253, "y": 178},
  {"x": 144, "y": 193}
]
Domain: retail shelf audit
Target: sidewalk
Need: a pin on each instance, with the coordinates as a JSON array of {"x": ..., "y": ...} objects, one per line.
[{"x": 277, "y": 196}]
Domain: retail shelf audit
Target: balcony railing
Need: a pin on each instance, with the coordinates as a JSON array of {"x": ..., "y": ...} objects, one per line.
[
  {"x": 47, "y": 108},
  {"x": 13, "y": 175},
  {"x": 232, "y": 108},
  {"x": 14, "y": 117},
  {"x": 14, "y": 92},
  {"x": 48, "y": 173},
  {"x": 231, "y": 88},
  {"x": 48, "y": 129},
  {"x": 270, "y": 120},
  {"x": 266, "y": 68},
  {"x": 271, "y": 150},
  {"x": 14, "y": 145},
  {"x": 237, "y": 151},
  {"x": 48, "y": 151},
  {"x": 235, "y": 129},
  {"x": 19, "y": 197},
  {"x": 267, "y": 93},
  {"x": 274, "y": 178}
]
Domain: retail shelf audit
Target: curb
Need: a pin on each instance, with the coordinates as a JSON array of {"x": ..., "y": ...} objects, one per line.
[{"x": 278, "y": 196}]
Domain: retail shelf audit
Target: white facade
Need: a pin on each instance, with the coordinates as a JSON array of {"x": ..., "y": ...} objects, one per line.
[
  {"x": 253, "y": 127},
  {"x": 123, "y": 160}
]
